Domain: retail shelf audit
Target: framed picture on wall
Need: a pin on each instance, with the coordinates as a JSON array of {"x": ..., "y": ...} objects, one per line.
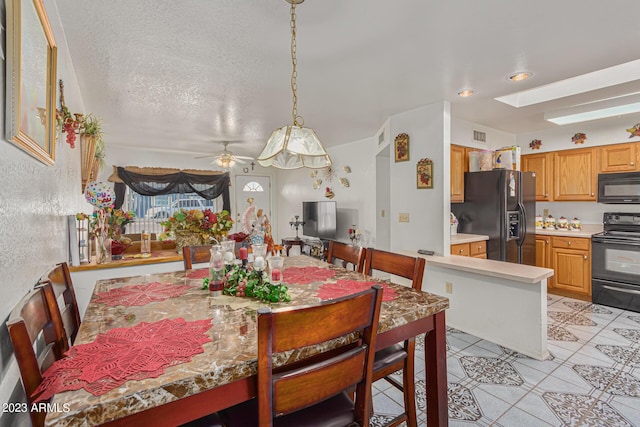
[
  {"x": 425, "y": 173},
  {"x": 31, "y": 76},
  {"x": 402, "y": 147}
]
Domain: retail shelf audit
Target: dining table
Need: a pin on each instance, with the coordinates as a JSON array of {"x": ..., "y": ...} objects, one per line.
[{"x": 206, "y": 346}]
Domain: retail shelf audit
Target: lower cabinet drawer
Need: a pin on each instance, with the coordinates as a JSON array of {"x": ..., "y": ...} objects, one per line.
[
  {"x": 460, "y": 249},
  {"x": 478, "y": 248}
]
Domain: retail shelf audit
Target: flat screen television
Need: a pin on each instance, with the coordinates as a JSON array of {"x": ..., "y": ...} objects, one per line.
[{"x": 319, "y": 219}]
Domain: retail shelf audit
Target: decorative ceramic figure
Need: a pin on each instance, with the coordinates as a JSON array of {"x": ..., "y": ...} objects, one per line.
[
  {"x": 550, "y": 223},
  {"x": 563, "y": 223},
  {"x": 539, "y": 222},
  {"x": 576, "y": 225}
]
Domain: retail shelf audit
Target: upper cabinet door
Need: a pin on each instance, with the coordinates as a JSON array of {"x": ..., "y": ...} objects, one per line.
[
  {"x": 457, "y": 173},
  {"x": 574, "y": 175},
  {"x": 541, "y": 164},
  {"x": 619, "y": 158}
]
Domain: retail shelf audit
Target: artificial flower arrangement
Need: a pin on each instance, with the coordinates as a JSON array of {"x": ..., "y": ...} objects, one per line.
[
  {"x": 241, "y": 282},
  {"x": 206, "y": 223},
  {"x": 115, "y": 220}
]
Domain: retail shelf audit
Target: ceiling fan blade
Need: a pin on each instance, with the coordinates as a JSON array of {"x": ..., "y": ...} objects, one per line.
[
  {"x": 210, "y": 155},
  {"x": 243, "y": 157}
]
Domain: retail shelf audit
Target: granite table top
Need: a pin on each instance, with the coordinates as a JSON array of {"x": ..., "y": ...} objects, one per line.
[{"x": 230, "y": 356}]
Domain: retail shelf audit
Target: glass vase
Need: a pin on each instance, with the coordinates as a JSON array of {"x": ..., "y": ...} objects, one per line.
[{"x": 103, "y": 250}]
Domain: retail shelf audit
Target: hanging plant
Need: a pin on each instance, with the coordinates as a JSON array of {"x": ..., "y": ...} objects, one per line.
[
  {"x": 68, "y": 123},
  {"x": 579, "y": 138}
]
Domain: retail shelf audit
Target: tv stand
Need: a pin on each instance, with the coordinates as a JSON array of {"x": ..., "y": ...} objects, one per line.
[{"x": 312, "y": 247}]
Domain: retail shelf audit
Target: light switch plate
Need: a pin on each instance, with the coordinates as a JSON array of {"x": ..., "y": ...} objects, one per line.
[{"x": 403, "y": 217}]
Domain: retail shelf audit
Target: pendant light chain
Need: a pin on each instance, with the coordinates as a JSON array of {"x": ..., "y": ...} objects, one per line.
[{"x": 294, "y": 72}]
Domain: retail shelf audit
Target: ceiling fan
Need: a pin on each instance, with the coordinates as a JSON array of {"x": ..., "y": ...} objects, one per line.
[{"x": 226, "y": 159}]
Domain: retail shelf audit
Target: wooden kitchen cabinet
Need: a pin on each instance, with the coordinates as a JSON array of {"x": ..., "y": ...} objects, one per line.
[
  {"x": 473, "y": 249},
  {"x": 543, "y": 255},
  {"x": 541, "y": 164},
  {"x": 574, "y": 175},
  {"x": 461, "y": 249},
  {"x": 619, "y": 158},
  {"x": 458, "y": 166},
  {"x": 571, "y": 261}
]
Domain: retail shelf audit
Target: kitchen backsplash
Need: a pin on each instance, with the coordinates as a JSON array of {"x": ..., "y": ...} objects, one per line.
[{"x": 587, "y": 212}]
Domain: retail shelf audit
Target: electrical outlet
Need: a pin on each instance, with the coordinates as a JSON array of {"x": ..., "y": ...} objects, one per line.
[
  {"x": 448, "y": 287},
  {"x": 403, "y": 217}
]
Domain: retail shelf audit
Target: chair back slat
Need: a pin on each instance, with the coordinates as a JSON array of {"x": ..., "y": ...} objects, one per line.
[
  {"x": 195, "y": 255},
  {"x": 60, "y": 279},
  {"x": 306, "y": 386},
  {"x": 352, "y": 320},
  {"x": 32, "y": 320},
  {"x": 347, "y": 254},
  {"x": 406, "y": 266}
]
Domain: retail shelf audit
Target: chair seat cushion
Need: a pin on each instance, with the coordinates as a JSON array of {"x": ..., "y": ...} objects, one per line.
[
  {"x": 336, "y": 411},
  {"x": 389, "y": 356}
]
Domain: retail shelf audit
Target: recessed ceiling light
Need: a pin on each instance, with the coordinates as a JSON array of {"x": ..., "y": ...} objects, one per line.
[
  {"x": 465, "y": 93},
  {"x": 518, "y": 77}
]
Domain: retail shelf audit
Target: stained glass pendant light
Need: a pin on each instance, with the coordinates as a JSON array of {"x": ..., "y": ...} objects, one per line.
[{"x": 294, "y": 146}]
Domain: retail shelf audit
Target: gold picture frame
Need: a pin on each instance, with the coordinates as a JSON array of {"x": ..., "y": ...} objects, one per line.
[
  {"x": 402, "y": 147},
  {"x": 30, "y": 79},
  {"x": 424, "y": 173}
]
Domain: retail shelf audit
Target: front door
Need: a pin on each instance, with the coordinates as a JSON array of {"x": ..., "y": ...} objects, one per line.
[{"x": 256, "y": 187}]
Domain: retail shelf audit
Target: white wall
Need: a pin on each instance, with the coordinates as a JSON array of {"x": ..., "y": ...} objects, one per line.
[
  {"x": 34, "y": 202},
  {"x": 429, "y": 130},
  {"x": 462, "y": 134},
  {"x": 356, "y": 201},
  {"x": 599, "y": 132}
]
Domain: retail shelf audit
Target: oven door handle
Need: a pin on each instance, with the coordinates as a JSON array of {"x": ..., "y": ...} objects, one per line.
[
  {"x": 614, "y": 241},
  {"x": 627, "y": 291}
]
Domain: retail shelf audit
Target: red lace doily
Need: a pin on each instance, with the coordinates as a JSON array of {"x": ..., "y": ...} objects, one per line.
[
  {"x": 124, "y": 354},
  {"x": 143, "y": 294},
  {"x": 306, "y": 275},
  {"x": 349, "y": 287},
  {"x": 198, "y": 274}
]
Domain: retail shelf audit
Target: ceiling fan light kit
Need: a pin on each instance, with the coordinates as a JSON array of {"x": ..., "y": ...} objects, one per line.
[{"x": 294, "y": 146}]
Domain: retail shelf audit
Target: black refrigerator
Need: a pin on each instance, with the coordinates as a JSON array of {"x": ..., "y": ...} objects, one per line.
[{"x": 501, "y": 204}]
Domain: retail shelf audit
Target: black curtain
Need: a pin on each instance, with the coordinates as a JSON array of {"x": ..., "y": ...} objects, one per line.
[{"x": 206, "y": 186}]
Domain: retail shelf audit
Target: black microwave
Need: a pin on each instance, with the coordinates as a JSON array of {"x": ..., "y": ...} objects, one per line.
[{"x": 619, "y": 187}]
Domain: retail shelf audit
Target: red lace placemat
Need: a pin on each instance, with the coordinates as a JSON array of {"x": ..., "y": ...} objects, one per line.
[
  {"x": 143, "y": 294},
  {"x": 198, "y": 274},
  {"x": 306, "y": 275},
  {"x": 349, "y": 287},
  {"x": 124, "y": 354}
]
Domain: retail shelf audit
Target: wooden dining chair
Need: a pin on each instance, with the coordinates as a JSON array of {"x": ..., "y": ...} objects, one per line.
[
  {"x": 195, "y": 255},
  {"x": 314, "y": 391},
  {"x": 60, "y": 279},
  {"x": 400, "y": 356},
  {"x": 33, "y": 320},
  {"x": 347, "y": 254}
]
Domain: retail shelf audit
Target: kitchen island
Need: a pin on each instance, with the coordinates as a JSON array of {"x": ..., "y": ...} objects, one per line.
[{"x": 501, "y": 302}]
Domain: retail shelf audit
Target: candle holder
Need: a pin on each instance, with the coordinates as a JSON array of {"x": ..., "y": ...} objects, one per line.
[
  {"x": 354, "y": 235},
  {"x": 297, "y": 223}
]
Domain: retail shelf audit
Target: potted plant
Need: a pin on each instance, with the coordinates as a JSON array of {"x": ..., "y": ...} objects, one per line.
[{"x": 91, "y": 144}]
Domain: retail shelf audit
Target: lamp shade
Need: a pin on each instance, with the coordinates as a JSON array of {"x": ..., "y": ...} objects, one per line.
[{"x": 293, "y": 147}]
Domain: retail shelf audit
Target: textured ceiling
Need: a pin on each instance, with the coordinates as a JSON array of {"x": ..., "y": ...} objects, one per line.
[{"x": 181, "y": 75}]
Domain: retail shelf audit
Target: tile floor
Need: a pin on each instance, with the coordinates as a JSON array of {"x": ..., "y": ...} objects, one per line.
[{"x": 592, "y": 377}]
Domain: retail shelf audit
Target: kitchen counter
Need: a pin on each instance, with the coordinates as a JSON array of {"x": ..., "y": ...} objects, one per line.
[
  {"x": 587, "y": 231},
  {"x": 485, "y": 295},
  {"x": 461, "y": 238}
]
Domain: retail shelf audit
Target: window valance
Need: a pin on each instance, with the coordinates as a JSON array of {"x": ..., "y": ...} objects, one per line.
[{"x": 157, "y": 181}]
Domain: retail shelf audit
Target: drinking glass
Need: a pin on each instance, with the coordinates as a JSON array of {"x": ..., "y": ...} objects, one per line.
[
  {"x": 276, "y": 264},
  {"x": 259, "y": 255}
]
